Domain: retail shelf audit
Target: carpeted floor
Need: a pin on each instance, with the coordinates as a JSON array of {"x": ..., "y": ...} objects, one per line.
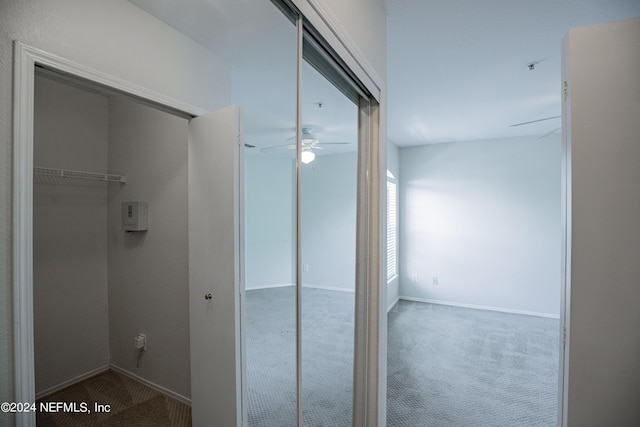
[
  {"x": 327, "y": 357},
  {"x": 447, "y": 366},
  {"x": 457, "y": 367},
  {"x": 131, "y": 405}
]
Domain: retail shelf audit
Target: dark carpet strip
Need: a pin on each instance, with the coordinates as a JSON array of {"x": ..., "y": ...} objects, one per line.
[{"x": 131, "y": 405}]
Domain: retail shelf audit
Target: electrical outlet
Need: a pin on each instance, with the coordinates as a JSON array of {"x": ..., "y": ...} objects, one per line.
[
  {"x": 435, "y": 280},
  {"x": 414, "y": 278},
  {"x": 305, "y": 268},
  {"x": 140, "y": 342}
]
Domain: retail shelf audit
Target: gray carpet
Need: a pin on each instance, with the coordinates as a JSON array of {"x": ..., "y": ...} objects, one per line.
[
  {"x": 447, "y": 366},
  {"x": 327, "y": 357},
  {"x": 456, "y": 367}
]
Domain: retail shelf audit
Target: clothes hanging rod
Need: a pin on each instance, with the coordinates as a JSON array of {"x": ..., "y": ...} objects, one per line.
[{"x": 63, "y": 173}]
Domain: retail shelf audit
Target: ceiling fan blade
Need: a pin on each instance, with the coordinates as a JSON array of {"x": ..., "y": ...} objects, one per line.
[
  {"x": 278, "y": 148},
  {"x": 535, "y": 121},
  {"x": 331, "y": 143},
  {"x": 325, "y": 150},
  {"x": 549, "y": 133}
]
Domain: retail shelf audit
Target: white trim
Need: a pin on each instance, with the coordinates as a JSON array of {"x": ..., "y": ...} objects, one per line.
[
  {"x": 328, "y": 25},
  {"x": 24, "y": 380},
  {"x": 77, "y": 70},
  {"x": 152, "y": 385},
  {"x": 481, "y": 307},
  {"x": 390, "y": 307},
  {"x": 328, "y": 288},
  {"x": 72, "y": 381},
  {"x": 275, "y": 285},
  {"x": 299, "y": 268},
  {"x": 304, "y": 285},
  {"x": 25, "y": 59},
  {"x": 120, "y": 370},
  {"x": 566, "y": 227}
]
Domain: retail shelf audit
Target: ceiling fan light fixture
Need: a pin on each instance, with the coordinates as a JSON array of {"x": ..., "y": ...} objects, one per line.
[{"x": 307, "y": 156}]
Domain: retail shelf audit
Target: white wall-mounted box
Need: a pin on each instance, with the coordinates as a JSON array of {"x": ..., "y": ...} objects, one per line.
[{"x": 135, "y": 216}]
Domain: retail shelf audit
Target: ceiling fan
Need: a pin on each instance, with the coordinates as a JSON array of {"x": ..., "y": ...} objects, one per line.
[
  {"x": 551, "y": 132},
  {"x": 310, "y": 142}
]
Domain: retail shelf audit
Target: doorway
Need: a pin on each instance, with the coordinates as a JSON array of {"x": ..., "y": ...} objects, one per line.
[
  {"x": 159, "y": 184},
  {"x": 97, "y": 287}
]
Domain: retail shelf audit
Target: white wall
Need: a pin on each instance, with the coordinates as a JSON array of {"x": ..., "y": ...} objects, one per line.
[
  {"x": 148, "y": 271},
  {"x": 270, "y": 221},
  {"x": 328, "y": 221},
  {"x": 393, "y": 165},
  {"x": 601, "y": 64},
  {"x": 111, "y": 36},
  {"x": 366, "y": 23},
  {"x": 71, "y": 333},
  {"x": 483, "y": 217}
]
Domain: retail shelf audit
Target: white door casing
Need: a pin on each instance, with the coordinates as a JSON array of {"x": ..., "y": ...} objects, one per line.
[
  {"x": 225, "y": 169},
  {"x": 26, "y": 58}
]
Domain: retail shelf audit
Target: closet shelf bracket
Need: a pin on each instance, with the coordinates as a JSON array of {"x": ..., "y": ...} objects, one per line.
[{"x": 63, "y": 173}]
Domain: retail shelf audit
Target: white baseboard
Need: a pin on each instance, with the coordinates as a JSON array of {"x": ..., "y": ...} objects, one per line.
[
  {"x": 152, "y": 385},
  {"x": 393, "y": 304},
  {"x": 275, "y": 285},
  {"x": 482, "y": 307},
  {"x": 71, "y": 382},
  {"x": 304, "y": 285},
  {"x": 123, "y": 371},
  {"x": 328, "y": 288}
]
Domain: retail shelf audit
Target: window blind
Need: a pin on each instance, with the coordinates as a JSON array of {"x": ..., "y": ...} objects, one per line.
[{"x": 392, "y": 229}]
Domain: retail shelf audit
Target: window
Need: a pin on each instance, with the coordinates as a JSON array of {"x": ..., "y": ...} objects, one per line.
[{"x": 392, "y": 227}]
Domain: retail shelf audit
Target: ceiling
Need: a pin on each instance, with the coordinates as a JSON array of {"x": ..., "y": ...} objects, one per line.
[
  {"x": 260, "y": 44},
  {"x": 457, "y": 70}
]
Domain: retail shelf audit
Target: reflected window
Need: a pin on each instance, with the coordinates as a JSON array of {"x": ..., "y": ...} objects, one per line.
[{"x": 392, "y": 227}]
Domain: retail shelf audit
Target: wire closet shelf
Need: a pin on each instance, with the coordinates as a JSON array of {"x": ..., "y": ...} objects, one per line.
[{"x": 92, "y": 176}]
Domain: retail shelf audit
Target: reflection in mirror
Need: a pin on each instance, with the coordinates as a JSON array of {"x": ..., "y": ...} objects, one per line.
[
  {"x": 328, "y": 241},
  {"x": 264, "y": 85}
]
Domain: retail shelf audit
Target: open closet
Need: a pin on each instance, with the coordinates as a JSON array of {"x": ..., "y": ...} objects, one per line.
[{"x": 97, "y": 287}]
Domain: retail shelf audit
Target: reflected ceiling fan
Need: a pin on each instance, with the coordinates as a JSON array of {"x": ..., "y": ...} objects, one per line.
[
  {"x": 310, "y": 142},
  {"x": 551, "y": 132}
]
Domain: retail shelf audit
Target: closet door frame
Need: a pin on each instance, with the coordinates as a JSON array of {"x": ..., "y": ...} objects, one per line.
[{"x": 26, "y": 60}]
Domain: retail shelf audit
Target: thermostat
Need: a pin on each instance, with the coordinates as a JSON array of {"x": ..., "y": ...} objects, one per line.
[{"x": 135, "y": 216}]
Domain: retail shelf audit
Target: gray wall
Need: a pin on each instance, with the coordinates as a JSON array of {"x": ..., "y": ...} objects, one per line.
[
  {"x": 484, "y": 218},
  {"x": 602, "y": 65},
  {"x": 329, "y": 221},
  {"x": 95, "y": 286},
  {"x": 270, "y": 221},
  {"x": 70, "y": 236},
  {"x": 393, "y": 165},
  {"x": 148, "y": 271}
]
